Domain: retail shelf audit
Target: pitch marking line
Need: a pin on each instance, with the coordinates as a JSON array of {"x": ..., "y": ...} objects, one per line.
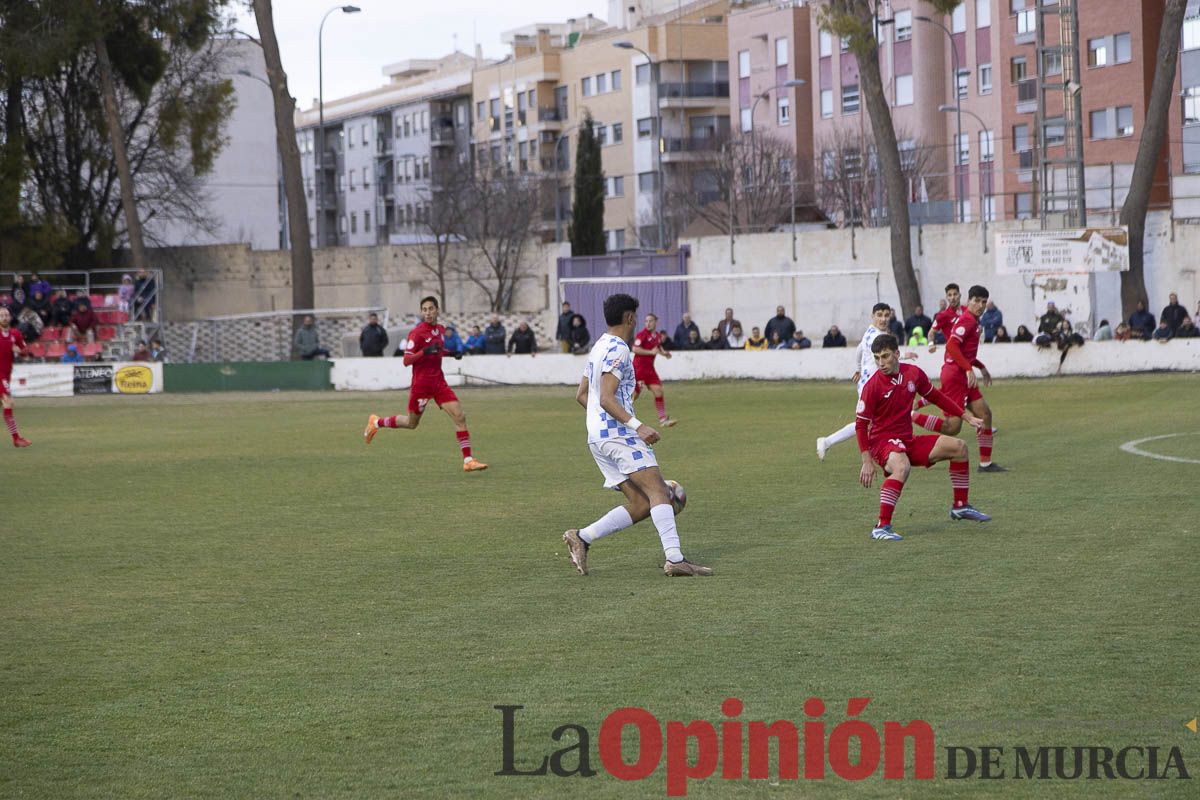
[{"x": 1132, "y": 447}]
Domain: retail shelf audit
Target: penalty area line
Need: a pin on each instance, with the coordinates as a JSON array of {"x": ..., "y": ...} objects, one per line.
[{"x": 1132, "y": 447}]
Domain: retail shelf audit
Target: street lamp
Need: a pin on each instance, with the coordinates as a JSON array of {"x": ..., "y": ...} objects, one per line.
[
  {"x": 627, "y": 45},
  {"x": 945, "y": 109},
  {"x": 957, "y": 113},
  {"x": 321, "y": 108}
]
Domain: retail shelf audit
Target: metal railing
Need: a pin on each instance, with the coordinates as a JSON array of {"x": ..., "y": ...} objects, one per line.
[
  {"x": 691, "y": 144},
  {"x": 693, "y": 89}
]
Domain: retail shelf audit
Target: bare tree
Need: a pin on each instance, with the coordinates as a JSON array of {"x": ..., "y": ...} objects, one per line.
[{"x": 441, "y": 226}]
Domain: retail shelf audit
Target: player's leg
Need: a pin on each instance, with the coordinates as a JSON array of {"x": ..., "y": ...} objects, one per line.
[
  {"x": 948, "y": 448},
  {"x": 638, "y": 385},
  {"x": 649, "y": 482},
  {"x": 660, "y": 404},
  {"x": 896, "y": 468},
  {"x": 635, "y": 509},
  {"x": 9, "y": 420},
  {"x": 840, "y": 435},
  {"x": 417, "y": 399},
  {"x": 454, "y": 409},
  {"x": 980, "y": 408}
]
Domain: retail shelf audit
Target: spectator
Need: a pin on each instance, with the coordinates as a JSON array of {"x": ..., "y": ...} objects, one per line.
[
  {"x": 125, "y": 293},
  {"x": 694, "y": 342},
  {"x": 145, "y": 290},
  {"x": 683, "y": 331},
  {"x": 716, "y": 341},
  {"x": 72, "y": 356},
  {"x": 308, "y": 342},
  {"x": 917, "y": 320},
  {"x": 523, "y": 342},
  {"x": 374, "y": 339},
  {"x": 736, "y": 339},
  {"x": 938, "y": 336},
  {"x": 157, "y": 351},
  {"x": 581, "y": 338},
  {"x": 781, "y": 324},
  {"x": 1023, "y": 335},
  {"x": 799, "y": 341},
  {"x": 566, "y": 319},
  {"x": 1048, "y": 322},
  {"x": 20, "y": 295},
  {"x": 452, "y": 342},
  {"x": 29, "y": 324},
  {"x": 1141, "y": 322},
  {"x": 756, "y": 341},
  {"x": 1187, "y": 329},
  {"x": 1124, "y": 333},
  {"x": 727, "y": 325},
  {"x": 1103, "y": 333},
  {"x": 494, "y": 336},
  {"x": 476, "y": 344},
  {"x": 1163, "y": 332},
  {"x": 1002, "y": 336},
  {"x": 1173, "y": 314},
  {"x": 60, "y": 309},
  {"x": 1057, "y": 336},
  {"x": 779, "y": 344},
  {"x": 918, "y": 337},
  {"x": 83, "y": 322},
  {"x": 142, "y": 353},
  {"x": 991, "y": 319},
  {"x": 39, "y": 284},
  {"x": 40, "y": 303},
  {"x": 834, "y": 338},
  {"x": 896, "y": 328}
]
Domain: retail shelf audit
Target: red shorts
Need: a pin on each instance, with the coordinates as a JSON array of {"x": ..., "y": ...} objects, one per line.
[
  {"x": 917, "y": 449},
  {"x": 647, "y": 376},
  {"x": 422, "y": 393},
  {"x": 954, "y": 385}
]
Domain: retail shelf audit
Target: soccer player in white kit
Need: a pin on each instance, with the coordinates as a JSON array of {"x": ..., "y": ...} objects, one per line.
[
  {"x": 881, "y": 314},
  {"x": 620, "y": 444}
]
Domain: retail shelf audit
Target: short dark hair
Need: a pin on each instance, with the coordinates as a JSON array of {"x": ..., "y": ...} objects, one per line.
[
  {"x": 880, "y": 307},
  {"x": 1103, "y": 322},
  {"x": 429, "y": 299},
  {"x": 978, "y": 291},
  {"x": 953, "y": 286},
  {"x": 615, "y": 307},
  {"x": 884, "y": 341}
]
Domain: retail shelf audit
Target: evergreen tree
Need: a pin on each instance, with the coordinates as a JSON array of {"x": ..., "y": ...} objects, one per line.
[{"x": 587, "y": 213}]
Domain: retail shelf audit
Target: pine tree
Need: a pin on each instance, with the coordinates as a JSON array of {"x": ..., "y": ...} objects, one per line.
[{"x": 587, "y": 212}]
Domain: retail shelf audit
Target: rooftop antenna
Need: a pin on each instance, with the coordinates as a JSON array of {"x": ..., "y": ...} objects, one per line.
[{"x": 454, "y": 39}]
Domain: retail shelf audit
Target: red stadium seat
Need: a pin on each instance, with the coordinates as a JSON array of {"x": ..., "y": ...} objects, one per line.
[
  {"x": 55, "y": 350},
  {"x": 120, "y": 317},
  {"x": 105, "y": 316},
  {"x": 37, "y": 350},
  {"x": 96, "y": 300},
  {"x": 106, "y": 333},
  {"x": 50, "y": 334},
  {"x": 90, "y": 349}
]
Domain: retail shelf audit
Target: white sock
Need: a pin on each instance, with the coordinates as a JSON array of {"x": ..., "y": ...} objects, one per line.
[
  {"x": 616, "y": 520},
  {"x": 664, "y": 521},
  {"x": 841, "y": 435}
]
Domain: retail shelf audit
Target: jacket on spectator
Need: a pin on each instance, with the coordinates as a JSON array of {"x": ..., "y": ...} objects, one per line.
[
  {"x": 755, "y": 344},
  {"x": 494, "y": 335},
  {"x": 918, "y": 337},
  {"x": 1049, "y": 322},
  {"x": 40, "y": 285},
  {"x": 476, "y": 344},
  {"x": 726, "y": 326},
  {"x": 800, "y": 341},
  {"x": 20, "y": 295},
  {"x": 29, "y": 324},
  {"x": 580, "y": 336},
  {"x": 896, "y": 328},
  {"x": 563, "y": 333},
  {"x": 522, "y": 342},
  {"x": 1022, "y": 335},
  {"x": 1164, "y": 332},
  {"x": 40, "y": 303},
  {"x": 72, "y": 356},
  {"x": 990, "y": 320},
  {"x": 60, "y": 310},
  {"x": 84, "y": 319},
  {"x": 1143, "y": 323},
  {"x": 682, "y": 332},
  {"x": 373, "y": 340},
  {"x": 452, "y": 342},
  {"x": 1103, "y": 334},
  {"x": 917, "y": 321},
  {"x": 782, "y": 325},
  {"x": 1187, "y": 330},
  {"x": 718, "y": 343},
  {"x": 831, "y": 340},
  {"x": 1173, "y": 315},
  {"x": 307, "y": 342}
]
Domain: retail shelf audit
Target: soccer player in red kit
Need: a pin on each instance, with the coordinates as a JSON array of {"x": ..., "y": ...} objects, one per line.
[
  {"x": 646, "y": 345},
  {"x": 11, "y": 343},
  {"x": 423, "y": 352},
  {"x": 959, "y": 381},
  {"x": 943, "y": 319},
  {"x": 885, "y": 437}
]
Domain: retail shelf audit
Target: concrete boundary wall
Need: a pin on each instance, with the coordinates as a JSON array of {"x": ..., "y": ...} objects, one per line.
[{"x": 1003, "y": 360}]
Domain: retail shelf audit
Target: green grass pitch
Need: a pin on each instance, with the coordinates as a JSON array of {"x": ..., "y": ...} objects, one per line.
[{"x": 231, "y": 596}]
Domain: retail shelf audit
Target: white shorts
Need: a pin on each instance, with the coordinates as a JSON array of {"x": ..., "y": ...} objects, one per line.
[{"x": 618, "y": 460}]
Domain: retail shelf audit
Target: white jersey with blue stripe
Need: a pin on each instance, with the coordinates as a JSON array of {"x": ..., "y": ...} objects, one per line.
[
  {"x": 609, "y": 354},
  {"x": 866, "y": 359}
]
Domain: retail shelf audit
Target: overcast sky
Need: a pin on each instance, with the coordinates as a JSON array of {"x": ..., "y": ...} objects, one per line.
[{"x": 357, "y": 46}]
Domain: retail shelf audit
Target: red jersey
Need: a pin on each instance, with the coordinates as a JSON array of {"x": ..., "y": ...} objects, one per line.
[
  {"x": 426, "y": 367},
  {"x": 943, "y": 319},
  {"x": 885, "y": 407},
  {"x": 965, "y": 332},
  {"x": 647, "y": 340},
  {"x": 10, "y": 342}
]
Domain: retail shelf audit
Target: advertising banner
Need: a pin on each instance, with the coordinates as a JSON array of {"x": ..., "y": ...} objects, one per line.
[
  {"x": 1080, "y": 250},
  {"x": 93, "y": 378},
  {"x": 42, "y": 380},
  {"x": 141, "y": 377}
]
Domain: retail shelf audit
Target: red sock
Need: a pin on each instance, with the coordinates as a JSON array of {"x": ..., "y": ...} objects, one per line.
[
  {"x": 661, "y": 405},
  {"x": 960, "y": 481},
  {"x": 984, "y": 437},
  {"x": 889, "y": 493},
  {"x": 464, "y": 443},
  {"x": 11, "y": 423},
  {"x": 389, "y": 422},
  {"x": 928, "y": 421}
]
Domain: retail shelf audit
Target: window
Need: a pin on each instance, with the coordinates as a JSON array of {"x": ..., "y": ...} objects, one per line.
[
  {"x": 827, "y": 103},
  {"x": 645, "y": 181},
  {"x": 985, "y": 78},
  {"x": 785, "y": 111},
  {"x": 615, "y": 83},
  {"x": 408, "y": 121},
  {"x": 1098, "y": 52},
  {"x": 1099, "y": 120},
  {"x": 352, "y": 184},
  {"x": 587, "y": 86},
  {"x": 904, "y": 90},
  {"x": 1124, "y": 120},
  {"x": 844, "y": 44},
  {"x": 341, "y": 183},
  {"x": 641, "y": 74},
  {"x": 963, "y": 149},
  {"x": 825, "y": 39},
  {"x": 602, "y": 83},
  {"x": 1027, "y": 22},
  {"x": 781, "y": 52},
  {"x": 744, "y": 64},
  {"x": 349, "y": 139},
  {"x": 493, "y": 110},
  {"x": 1020, "y": 138},
  {"x": 425, "y": 166},
  {"x": 1191, "y": 32},
  {"x": 366, "y": 222},
  {"x": 645, "y": 127},
  {"x": 1054, "y": 133},
  {"x": 1016, "y": 5},
  {"x": 616, "y": 186},
  {"x": 601, "y": 135},
  {"x": 747, "y": 122},
  {"x": 989, "y": 208},
  {"x": 958, "y": 19},
  {"x": 850, "y": 98},
  {"x": 353, "y": 222},
  {"x": 983, "y": 13},
  {"x": 987, "y": 147},
  {"x": 478, "y": 113},
  {"x": 964, "y": 77},
  {"x": 366, "y": 178},
  {"x": 618, "y": 133},
  {"x": 1191, "y": 105},
  {"x": 907, "y": 150},
  {"x": 532, "y": 98},
  {"x": 1122, "y": 49},
  {"x": 1018, "y": 68},
  {"x": 1052, "y": 63},
  {"x": 365, "y": 140},
  {"x": 903, "y": 25},
  {"x": 1024, "y": 205},
  {"x": 342, "y": 224}
]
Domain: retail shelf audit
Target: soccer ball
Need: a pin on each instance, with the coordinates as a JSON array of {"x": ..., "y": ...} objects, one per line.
[{"x": 678, "y": 496}]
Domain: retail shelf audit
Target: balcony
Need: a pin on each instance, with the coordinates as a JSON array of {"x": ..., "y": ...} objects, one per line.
[
  {"x": 551, "y": 117},
  {"x": 692, "y": 148},
  {"x": 442, "y": 137},
  {"x": 383, "y": 148},
  {"x": 692, "y": 94},
  {"x": 1027, "y": 95}
]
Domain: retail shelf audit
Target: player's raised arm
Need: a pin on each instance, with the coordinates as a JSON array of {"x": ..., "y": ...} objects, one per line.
[{"x": 608, "y": 401}]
